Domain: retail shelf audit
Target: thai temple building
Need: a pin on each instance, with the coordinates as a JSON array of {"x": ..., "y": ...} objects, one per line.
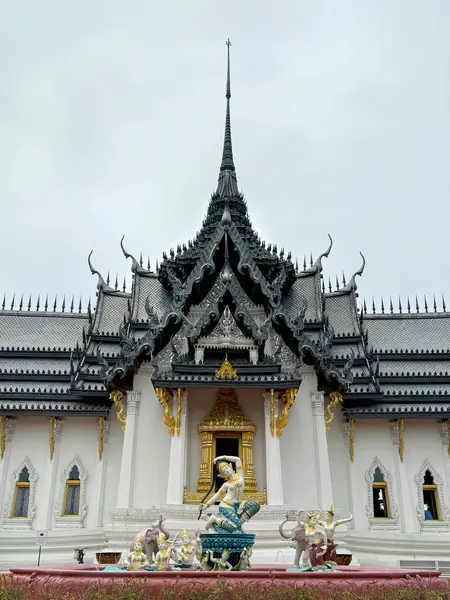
[{"x": 111, "y": 417}]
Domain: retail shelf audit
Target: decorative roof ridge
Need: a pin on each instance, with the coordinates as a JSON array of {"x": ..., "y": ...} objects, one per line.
[
  {"x": 117, "y": 293},
  {"x": 399, "y": 316},
  {"x": 43, "y": 313},
  {"x": 25, "y": 307},
  {"x": 147, "y": 274}
]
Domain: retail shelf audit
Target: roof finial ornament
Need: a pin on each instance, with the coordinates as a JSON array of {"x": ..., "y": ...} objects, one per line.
[
  {"x": 351, "y": 285},
  {"x": 227, "y": 185},
  {"x": 326, "y": 254},
  {"x": 101, "y": 282}
]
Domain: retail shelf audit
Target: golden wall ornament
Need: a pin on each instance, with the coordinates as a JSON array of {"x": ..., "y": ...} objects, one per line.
[
  {"x": 165, "y": 397},
  {"x": 101, "y": 426},
  {"x": 116, "y": 396},
  {"x": 401, "y": 439},
  {"x": 226, "y": 371},
  {"x": 52, "y": 424},
  {"x": 272, "y": 412},
  {"x": 288, "y": 398},
  {"x": 335, "y": 399},
  {"x": 2, "y": 436},
  {"x": 352, "y": 439},
  {"x": 179, "y": 402}
]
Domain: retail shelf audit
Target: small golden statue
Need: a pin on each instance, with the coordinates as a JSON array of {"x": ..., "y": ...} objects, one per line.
[
  {"x": 165, "y": 554},
  {"x": 186, "y": 552},
  {"x": 136, "y": 559}
]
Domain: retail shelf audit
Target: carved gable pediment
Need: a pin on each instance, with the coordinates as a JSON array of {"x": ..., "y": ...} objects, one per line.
[{"x": 226, "y": 334}]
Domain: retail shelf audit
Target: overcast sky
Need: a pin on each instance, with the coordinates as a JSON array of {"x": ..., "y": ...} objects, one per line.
[{"x": 111, "y": 123}]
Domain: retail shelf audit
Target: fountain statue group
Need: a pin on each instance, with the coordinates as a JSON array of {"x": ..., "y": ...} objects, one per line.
[
  {"x": 314, "y": 539},
  {"x": 224, "y": 546}
]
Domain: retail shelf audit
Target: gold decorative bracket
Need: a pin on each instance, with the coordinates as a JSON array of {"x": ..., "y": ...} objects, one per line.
[
  {"x": 164, "y": 397},
  {"x": 2, "y": 436},
  {"x": 116, "y": 396},
  {"x": 226, "y": 371},
  {"x": 51, "y": 440},
  {"x": 351, "y": 426},
  {"x": 272, "y": 412},
  {"x": 335, "y": 399},
  {"x": 101, "y": 427},
  {"x": 401, "y": 439},
  {"x": 179, "y": 401},
  {"x": 288, "y": 398}
]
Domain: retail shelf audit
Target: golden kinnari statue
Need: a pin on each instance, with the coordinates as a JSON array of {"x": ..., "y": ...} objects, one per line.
[{"x": 226, "y": 420}]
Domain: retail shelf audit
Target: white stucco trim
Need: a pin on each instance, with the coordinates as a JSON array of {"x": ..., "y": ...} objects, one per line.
[
  {"x": 22, "y": 522},
  {"x": 381, "y": 524},
  {"x": 70, "y": 522},
  {"x": 432, "y": 526}
]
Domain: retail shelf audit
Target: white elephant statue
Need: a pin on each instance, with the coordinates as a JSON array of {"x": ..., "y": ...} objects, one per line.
[{"x": 296, "y": 535}]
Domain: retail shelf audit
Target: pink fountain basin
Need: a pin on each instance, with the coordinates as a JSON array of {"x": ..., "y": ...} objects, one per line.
[{"x": 80, "y": 577}]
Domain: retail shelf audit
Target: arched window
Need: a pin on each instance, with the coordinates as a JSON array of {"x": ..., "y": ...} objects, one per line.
[
  {"x": 71, "y": 506},
  {"x": 380, "y": 496},
  {"x": 21, "y": 495},
  {"x": 430, "y": 499}
]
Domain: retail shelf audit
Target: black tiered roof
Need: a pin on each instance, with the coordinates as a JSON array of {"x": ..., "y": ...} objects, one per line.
[{"x": 388, "y": 365}]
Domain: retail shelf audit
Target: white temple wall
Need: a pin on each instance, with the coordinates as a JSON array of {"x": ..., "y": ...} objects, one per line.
[
  {"x": 339, "y": 465},
  {"x": 78, "y": 438},
  {"x": 30, "y": 439},
  {"x": 200, "y": 403},
  {"x": 297, "y": 448},
  {"x": 152, "y": 450},
  {"x": 113, "y": 455},
  {"x": 372, "y": 440},
  {"x": 422, "y": 442}
]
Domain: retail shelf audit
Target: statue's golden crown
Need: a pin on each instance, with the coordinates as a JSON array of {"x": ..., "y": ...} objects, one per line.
[{"x": 161, "y": 537}]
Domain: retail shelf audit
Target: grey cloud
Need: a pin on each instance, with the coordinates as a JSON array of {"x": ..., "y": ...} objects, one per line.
[{"x": 112, "y": 122}]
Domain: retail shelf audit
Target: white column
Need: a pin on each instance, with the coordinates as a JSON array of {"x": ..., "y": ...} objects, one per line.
[
  {"x": 52, "y": 472},
  {"x": 273, "y": 454},
  {"x": 178, "y": 448},
  {"x": 323, "y": 472},
  {"x": 101, "y": 470},
  {"x": 127, "y": 467},
  {"x": 4, "y": 463}
]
